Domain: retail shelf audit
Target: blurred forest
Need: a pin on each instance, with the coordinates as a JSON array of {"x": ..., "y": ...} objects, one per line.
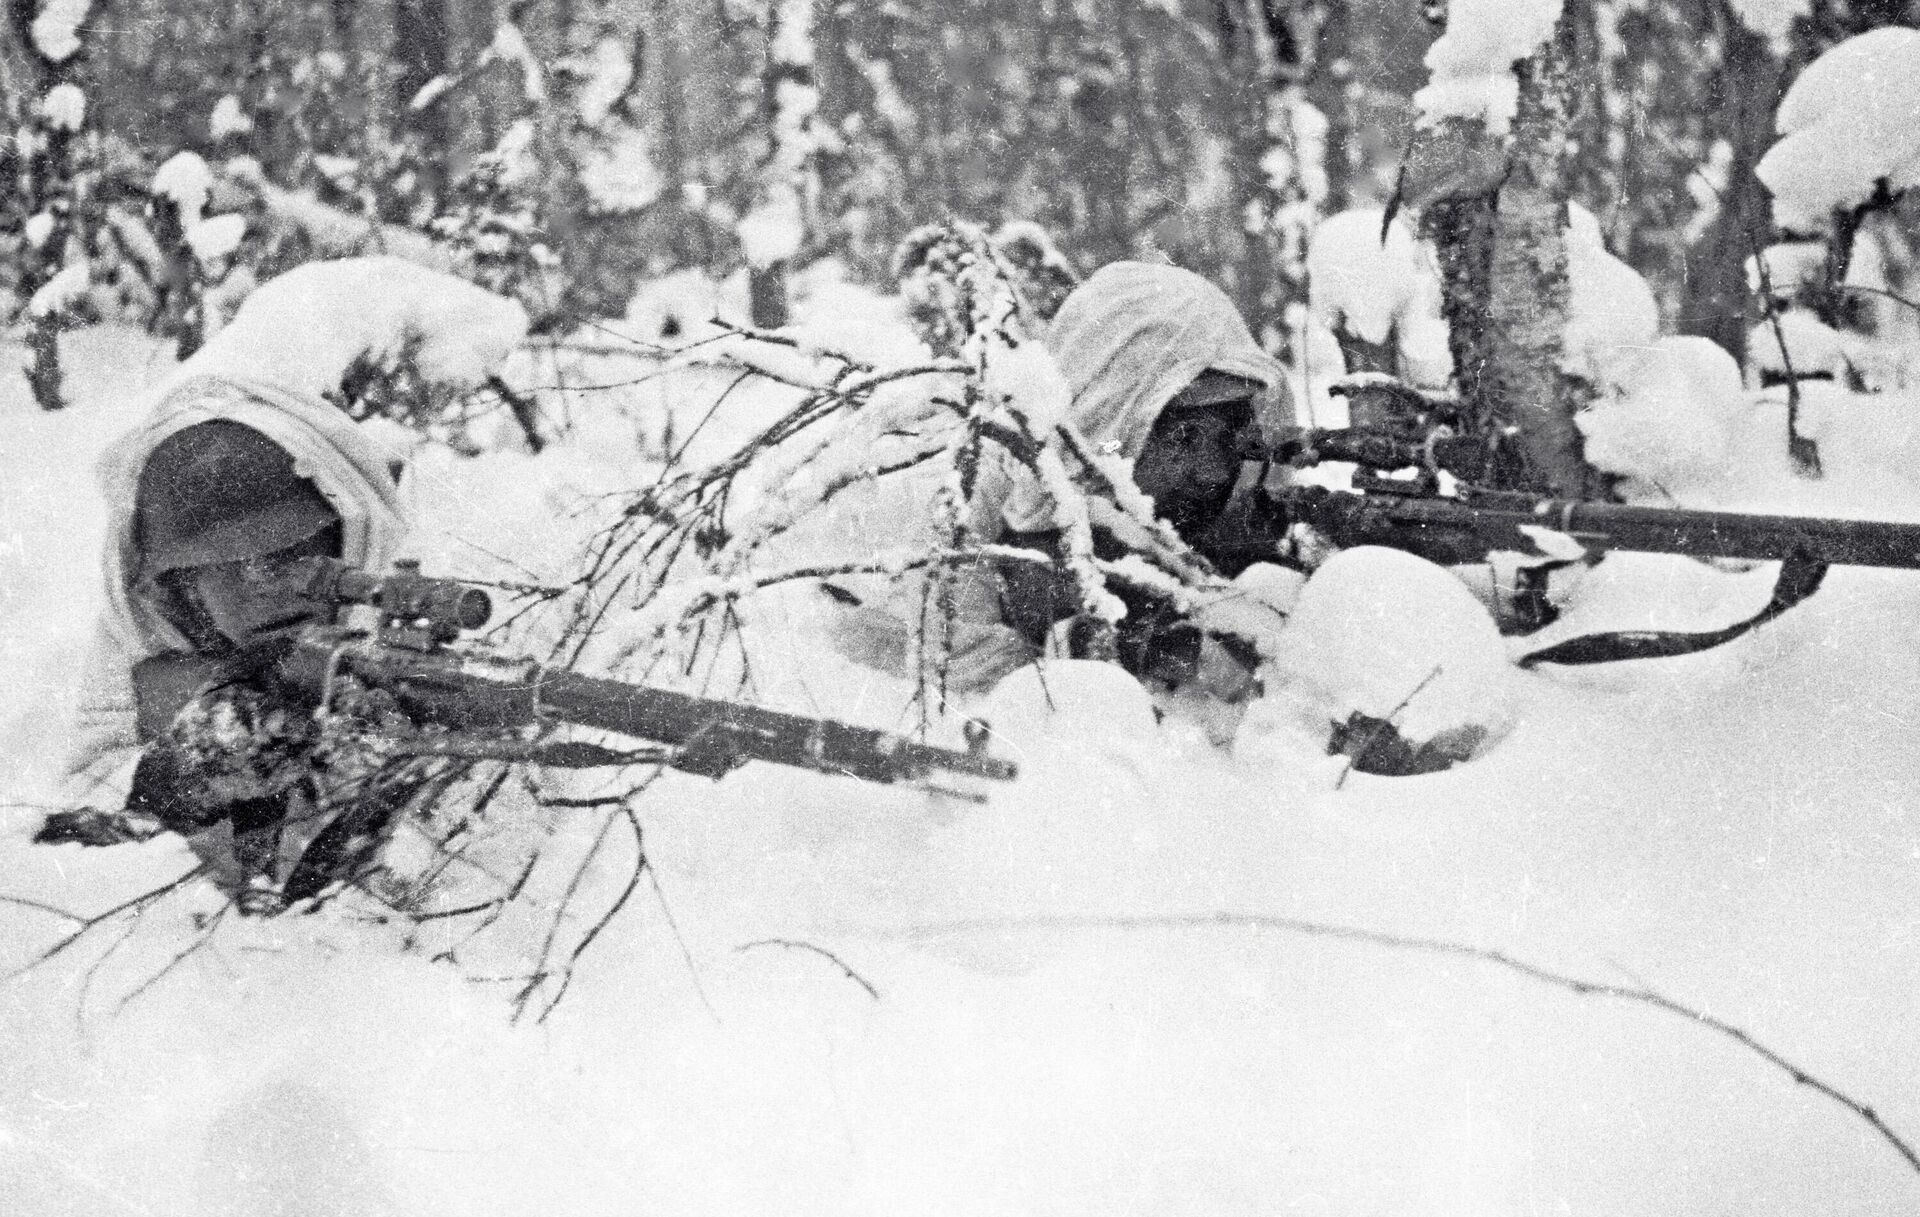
[{"x": 565, "y": 150}]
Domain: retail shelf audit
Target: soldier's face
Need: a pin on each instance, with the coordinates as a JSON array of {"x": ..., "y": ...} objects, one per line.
[
  {"x": 1191, "y": 461},
  {"x": 253, "y": 600}
]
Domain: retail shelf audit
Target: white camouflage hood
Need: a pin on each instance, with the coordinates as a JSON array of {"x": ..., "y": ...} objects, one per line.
[{"x": 328, "y": 448}]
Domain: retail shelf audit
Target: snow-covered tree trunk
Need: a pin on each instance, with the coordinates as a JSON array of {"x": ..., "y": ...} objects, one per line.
[
  {"x": 1528, "y": 290},
  {"x": 774, "y": 230},
  {"x": 1493, "y": 179},
  {"x": 423, "y": 47},
  {"x": 1279, "y": 150}
]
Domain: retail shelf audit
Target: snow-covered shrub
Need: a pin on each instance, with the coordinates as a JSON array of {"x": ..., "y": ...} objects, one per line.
[
  {"x": 1376, "y": 287},
  {"x": 1846, "y": 125},
  {"x": 489, "y": 219},
  {"x": 1611, "y": 312},
  {"x": 1666, "y": 419},
  {"x": 200, "y": 251},
  {"x": 1388, "y": 659},
  {"x": 993, "y": 405}
]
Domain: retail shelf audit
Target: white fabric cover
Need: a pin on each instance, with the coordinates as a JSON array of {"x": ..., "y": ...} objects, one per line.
[
  {"x": 328, "y": 448},
  {"x": 1128, "y": 339}
]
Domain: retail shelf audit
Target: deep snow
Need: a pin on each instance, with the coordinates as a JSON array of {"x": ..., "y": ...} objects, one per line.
[{"x": 1049, "y": 1012}]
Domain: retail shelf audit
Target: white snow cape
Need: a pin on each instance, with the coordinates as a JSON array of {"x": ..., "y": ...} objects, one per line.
[
  {"x": 327, "y": 447},
  {"x": 1128, "y": 339}
]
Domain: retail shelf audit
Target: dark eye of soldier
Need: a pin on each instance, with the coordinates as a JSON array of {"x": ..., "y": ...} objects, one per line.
[{"x": 270, "y": 568}]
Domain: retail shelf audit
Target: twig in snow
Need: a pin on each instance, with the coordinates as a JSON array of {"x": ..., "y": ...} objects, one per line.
[
  {"x": 199, "y": 942},
  {"x": 1636, "y": 994},
  {"x": 794, "y": 944},
  {"x": 136, "y": 905},
  {"x": 1383, "y": 724}
]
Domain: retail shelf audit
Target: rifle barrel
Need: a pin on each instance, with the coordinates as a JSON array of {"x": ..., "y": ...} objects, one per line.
[
  {"x": 1707, "y": 534},
  {"x": 752, "y": 732}
]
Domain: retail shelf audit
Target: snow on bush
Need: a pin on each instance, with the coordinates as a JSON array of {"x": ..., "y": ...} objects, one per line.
[
  {"x": 1470, "y": 67},
  {"x": 56, "y": 30},
  {"x": 38, "y": 228},
  {"x": 1666, "y": 418},
  {"x": 607, "y": 74},
  {"x": 1786, "y": 268},
  {"x": 314, "y": 322},
  {"x": 64, "y": 290},
  {"x": 185, "y": 178},
  {"x": 1846, "y": 122},
  {"x": 213, "y": 239},
  {"x": 619, "y": 173},
  {"x": 228, "y": 118},
  {"x": 1364, "y": 278},
  {"x": 1378, "y": 286},
  {"x": 775, "y": 229},
  {"x": 64, "y": 107},
  {"x": 1611, "y": 311},
  {"x": 509, "y": 46},
  {"x": 1392, "y": 637},
  {"x": 1771, "y": 19}
]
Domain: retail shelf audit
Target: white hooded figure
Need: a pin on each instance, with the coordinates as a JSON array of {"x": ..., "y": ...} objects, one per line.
[
  {"x": 240, "y": 462},
  {"x": 328, "y": 449},
  {"x": 1164, "y": 376}
]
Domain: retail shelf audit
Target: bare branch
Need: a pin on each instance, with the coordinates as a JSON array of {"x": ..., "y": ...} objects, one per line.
[
  {"x": 1636, "y": 994},
  {"x": 793, "y": 944},
  {"x": 137, "y": 904}
]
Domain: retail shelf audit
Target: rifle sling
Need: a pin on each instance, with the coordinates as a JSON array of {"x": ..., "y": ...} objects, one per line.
[{"x": 1799, "y": 577}]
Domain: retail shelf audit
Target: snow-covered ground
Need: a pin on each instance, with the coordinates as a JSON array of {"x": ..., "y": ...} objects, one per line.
[{"x": 1151, "y": 977}]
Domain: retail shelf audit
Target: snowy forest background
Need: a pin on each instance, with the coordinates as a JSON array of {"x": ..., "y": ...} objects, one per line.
[{"x": 1653, "y": 950}]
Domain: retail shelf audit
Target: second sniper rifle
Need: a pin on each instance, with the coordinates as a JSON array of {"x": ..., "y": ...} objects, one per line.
[
  {"x": 489, "y": 698},
  {"x": 1472, "y": 523}
]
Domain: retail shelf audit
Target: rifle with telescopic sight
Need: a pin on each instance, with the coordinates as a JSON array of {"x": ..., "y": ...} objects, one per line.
[
  {"x": 500, "y": 706},
  {"x": 1453, "y": 520}
]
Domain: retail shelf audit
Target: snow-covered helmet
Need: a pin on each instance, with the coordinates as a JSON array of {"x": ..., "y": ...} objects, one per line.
[{"x": 221, "y": 491}]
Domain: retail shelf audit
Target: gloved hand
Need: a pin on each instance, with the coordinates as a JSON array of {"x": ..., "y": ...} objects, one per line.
[{"x": 226, "y": 746}]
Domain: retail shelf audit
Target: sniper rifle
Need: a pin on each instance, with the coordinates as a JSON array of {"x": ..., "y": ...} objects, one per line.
[
  {"x": 1471, "y": 523},
  {"x": 498, "y": 704}
]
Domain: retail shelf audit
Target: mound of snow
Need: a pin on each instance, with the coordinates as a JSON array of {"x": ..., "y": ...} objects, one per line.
[
  {"x": 305, "y": 328},
  {"x": 1076, "y": 705},
  {"x": 1387, "y": 635},
  {"x": 1666, "y": 417}
]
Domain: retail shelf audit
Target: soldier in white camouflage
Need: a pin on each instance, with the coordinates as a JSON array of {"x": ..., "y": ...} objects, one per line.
[{"x": 206, "y": 587}]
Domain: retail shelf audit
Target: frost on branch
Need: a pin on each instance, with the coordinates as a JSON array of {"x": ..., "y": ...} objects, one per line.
[{"x": 956, "y": 433}]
